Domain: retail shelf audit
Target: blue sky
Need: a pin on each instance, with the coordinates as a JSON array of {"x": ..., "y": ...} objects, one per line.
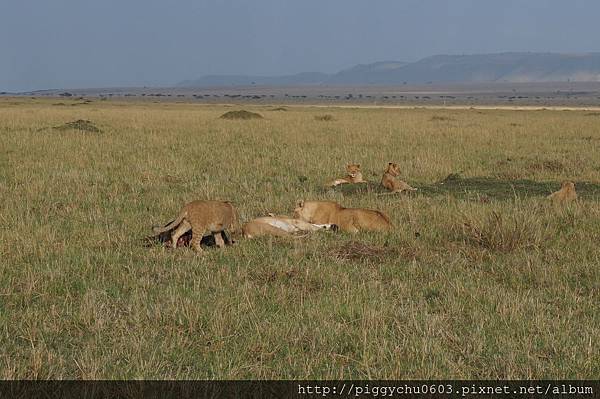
[{"x": 86, "y": 43}]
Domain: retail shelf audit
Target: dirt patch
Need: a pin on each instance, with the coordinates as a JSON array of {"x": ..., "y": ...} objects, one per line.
[
  {"x": 324, "y": 118},
  {"x": 279, "y": 109},
  {"x": 241, "y": 114},
  {"x": 358, "y": 251},
  {"x": 80, "y": 124}
]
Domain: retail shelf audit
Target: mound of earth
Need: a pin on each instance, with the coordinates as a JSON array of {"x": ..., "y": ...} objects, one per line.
[
  {"x": 241, "y": 114},
  {"x": 80, "y": 124}
]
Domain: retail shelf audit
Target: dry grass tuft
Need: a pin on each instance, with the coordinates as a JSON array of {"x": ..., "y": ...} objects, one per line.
[
  {"x": 502, "y": 233},
  {"x": 441, "y": 118},
  {"x": 550, "y": 165},
  {"x": 241, "y": 114},
  {"x": 80, "y": 124},
  {"x": 324, "y": 118},
  {"x": 358, "y": 251}
]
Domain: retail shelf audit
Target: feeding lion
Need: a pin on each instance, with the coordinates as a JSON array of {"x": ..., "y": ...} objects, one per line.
[{"x": 213, "y": 217}]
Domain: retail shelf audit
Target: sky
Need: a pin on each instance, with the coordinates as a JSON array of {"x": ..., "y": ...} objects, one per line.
[{"x": 112, "y": 43}]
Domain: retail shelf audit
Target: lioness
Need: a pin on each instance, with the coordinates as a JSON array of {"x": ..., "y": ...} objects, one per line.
[
  {"x": 390, "y": 182},
  {"x": 354, "y": 176},
  {"x": 280, "y": 226},
  {"x": 201, "y": 217},
  {"x": 347, "y": 219},
  {"x": 565, "y": 194}
]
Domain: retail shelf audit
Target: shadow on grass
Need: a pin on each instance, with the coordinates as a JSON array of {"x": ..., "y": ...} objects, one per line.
[
  {"x": 480, "y": 188},
  {"x": 358, "y": 188}
]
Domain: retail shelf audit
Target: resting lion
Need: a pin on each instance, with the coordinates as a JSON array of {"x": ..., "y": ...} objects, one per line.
[
  {"x": 354, "y": 176},
  {"x": 280, "y": 226},
  {"x": 565, "y": 194},
  {"x": 347, "y": 219},
  {"x": 390, "y": 182},
  {"x": 202, "y": 217}
]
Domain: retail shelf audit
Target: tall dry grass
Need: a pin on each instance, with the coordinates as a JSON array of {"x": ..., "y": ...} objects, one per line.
[{"x": 472, "y": 288}]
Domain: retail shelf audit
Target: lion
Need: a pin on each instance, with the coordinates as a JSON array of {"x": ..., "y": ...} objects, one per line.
[
  {"x": 201, "y": 217},
  {"x": 354, "y": 176},
  {"x": 390, "y": 182},
  {"x": 347, "y": 219},
  {"x": 185, "y": 239},
  {"x": 280, "y": 226},
  {"x": 565, "y": 194}
]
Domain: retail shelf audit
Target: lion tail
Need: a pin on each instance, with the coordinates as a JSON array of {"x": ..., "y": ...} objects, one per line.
[
  {"x": 170, "y": 226},
  {"x": 236, "y": 227}
]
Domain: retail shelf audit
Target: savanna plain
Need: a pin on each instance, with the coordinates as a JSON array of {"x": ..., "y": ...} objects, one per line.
[{"x": 481, "y": 276}]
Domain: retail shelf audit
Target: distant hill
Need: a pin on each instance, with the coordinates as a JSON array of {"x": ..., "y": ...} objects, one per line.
[
  {"x": 477, "y": 68},
  {"x": 376, "y": 73}
]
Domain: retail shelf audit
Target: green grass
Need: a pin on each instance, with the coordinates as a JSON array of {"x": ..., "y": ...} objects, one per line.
[{"x": 481, "y": 277}]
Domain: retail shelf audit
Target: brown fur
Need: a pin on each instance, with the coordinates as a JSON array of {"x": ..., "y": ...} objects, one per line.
[
  {"x": 347, "y": 219},
  {"x": 565, "y": 194},
  {"x": 354, "y": 176},
  {"x": 390, "y": 182},
  {"x": 202, "y": 217}
]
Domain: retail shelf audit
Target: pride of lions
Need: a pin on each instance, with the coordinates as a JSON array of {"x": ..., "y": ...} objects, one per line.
[{"x": 217, "y": 218}]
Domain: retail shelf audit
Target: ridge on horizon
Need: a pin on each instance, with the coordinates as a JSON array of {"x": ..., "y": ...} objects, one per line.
[{"x": 512, "y": 67}]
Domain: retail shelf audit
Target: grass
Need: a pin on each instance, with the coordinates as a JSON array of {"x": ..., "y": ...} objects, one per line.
[{"x": 481, "y": 278}]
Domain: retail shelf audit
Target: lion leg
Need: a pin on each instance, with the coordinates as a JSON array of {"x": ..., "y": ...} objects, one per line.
[
  {"x": 196, "y": 238},
  {"x": 352, "y": 229},
  {"x": 227, "y": 237},
  {"x": 348, "y": 226},
  {"x": 183, "y": 227},
  {"x": 219, "y": 240},
  {"x": 337, "y": 182}
]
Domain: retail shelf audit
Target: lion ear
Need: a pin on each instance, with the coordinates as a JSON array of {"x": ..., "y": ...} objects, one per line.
[
  {"x": 389, "y": 163},
  {"x": 300, "y": 203},
  {"x": 358, "y": 165}
]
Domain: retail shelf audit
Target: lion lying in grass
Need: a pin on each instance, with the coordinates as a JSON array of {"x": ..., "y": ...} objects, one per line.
[
  {"x": 347, "y": 219},
  {"x": 390, "y": 181},
  {"x": 354, "y": 176}
]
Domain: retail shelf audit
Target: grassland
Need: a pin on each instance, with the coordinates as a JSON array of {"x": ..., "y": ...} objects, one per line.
[{"x": 481, "y": 278}]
